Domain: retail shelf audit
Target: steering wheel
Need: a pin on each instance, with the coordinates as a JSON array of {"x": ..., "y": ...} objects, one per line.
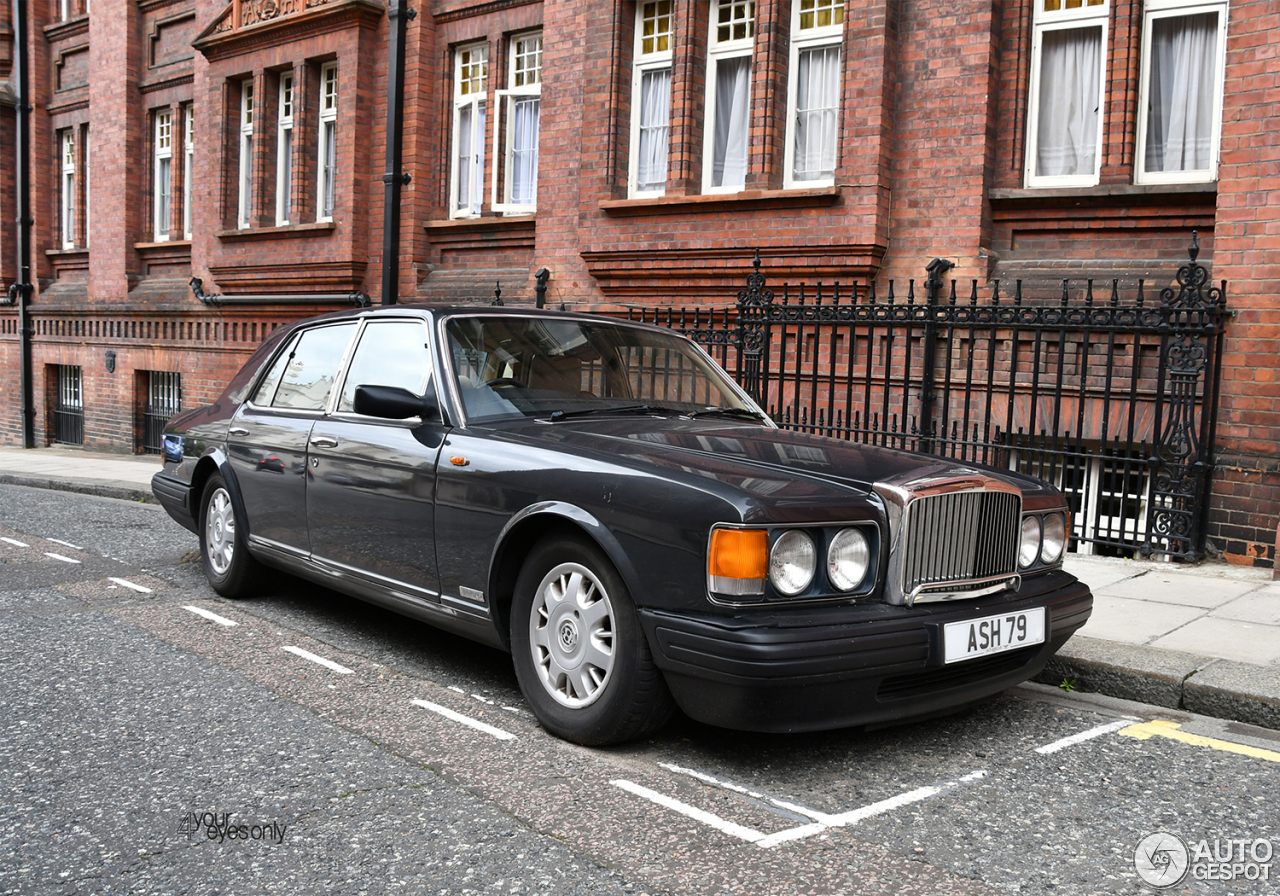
[{"x": 502, "y": 382}]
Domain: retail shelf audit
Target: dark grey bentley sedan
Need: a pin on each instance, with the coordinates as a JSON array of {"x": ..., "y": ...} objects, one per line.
[{"x": 600, "y": 499}]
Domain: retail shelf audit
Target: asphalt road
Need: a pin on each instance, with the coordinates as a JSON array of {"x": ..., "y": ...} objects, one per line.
[{"x": 322, "y": 745}]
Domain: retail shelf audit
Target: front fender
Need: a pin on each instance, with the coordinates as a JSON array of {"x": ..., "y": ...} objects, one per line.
[{"x": 218, "y": 458}]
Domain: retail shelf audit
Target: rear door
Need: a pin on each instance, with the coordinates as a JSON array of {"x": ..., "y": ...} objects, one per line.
[{"x": 267, "y": 440}]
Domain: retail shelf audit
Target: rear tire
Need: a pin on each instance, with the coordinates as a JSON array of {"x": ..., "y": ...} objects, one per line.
[
  {"x": 227, "y": 564},
  {"x": 580, "y": 654}
]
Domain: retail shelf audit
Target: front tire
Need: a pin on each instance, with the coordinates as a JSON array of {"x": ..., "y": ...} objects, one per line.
[
  {"x": 227, "y": 564},
  {"x": 580, "y": 655}
]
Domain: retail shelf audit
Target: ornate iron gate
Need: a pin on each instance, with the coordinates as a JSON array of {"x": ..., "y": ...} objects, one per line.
[{"x": 1112, "y": 399}]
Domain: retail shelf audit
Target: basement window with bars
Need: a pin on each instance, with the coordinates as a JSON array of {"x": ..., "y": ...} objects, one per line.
[
  {"x": 163, "y": 400},
  {"x": 68, "y": 409}
]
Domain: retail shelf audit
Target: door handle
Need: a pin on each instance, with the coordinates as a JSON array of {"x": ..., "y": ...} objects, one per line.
[
  {"x": 237, "y": 431},
  {"x": 324, "y": 442}
]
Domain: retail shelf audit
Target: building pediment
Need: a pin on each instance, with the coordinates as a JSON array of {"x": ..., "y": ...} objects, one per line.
[{"x": 245, "y": 24}]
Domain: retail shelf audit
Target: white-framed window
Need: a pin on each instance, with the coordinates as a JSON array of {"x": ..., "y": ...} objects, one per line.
[
  {"x": 88, "y": 192},
  {"x": 163, "y": 173},
  {"x": 284, "y": 151},
  {"x": 651, "y": 98},
  {"x": 188, "y": 165},
  {"x": 1068, "y": 65},
  {"x": 813, "y": 93},
  {"x": 470, "y": 86},
  {"x": 245, "y": 180},
  {"x": 1180, "y": 100},
  {"x": 522, "y": 101},
  {"x": 67, "y": 189},
  {"x": 327, "y": 145},
  {"x": 728, "y": 103},
  {"x": 64, "y": 9}
]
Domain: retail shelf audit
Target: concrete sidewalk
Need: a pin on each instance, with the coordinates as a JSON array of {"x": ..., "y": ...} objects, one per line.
[{"x": 1204, "y": 638}]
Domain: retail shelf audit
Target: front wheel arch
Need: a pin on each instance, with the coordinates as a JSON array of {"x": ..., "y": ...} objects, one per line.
[{"x": 523, "y": 532}]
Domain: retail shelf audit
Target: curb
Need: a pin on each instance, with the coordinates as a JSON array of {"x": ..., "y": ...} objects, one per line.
[
  {"x": 1205, "y": 685},
  {"x": 81, "y": 486}
]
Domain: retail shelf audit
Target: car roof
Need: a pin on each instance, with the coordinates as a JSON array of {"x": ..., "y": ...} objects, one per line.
[{"x": 440, "y": 311}]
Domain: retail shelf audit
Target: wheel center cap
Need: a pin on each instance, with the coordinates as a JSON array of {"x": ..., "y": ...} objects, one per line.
[{"x": 568, "y": 633}]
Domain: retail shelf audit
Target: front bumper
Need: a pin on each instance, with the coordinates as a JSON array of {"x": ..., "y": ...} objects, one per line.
[{"x": 833, "y": 667}]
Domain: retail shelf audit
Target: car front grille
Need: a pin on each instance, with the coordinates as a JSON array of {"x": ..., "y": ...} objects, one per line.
[
  {"x": 954, "y": 533},
  {"x": 960, "y": 537}
]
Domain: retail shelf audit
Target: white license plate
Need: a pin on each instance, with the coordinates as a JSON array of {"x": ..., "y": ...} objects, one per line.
[{"x": 992, "y": 634}]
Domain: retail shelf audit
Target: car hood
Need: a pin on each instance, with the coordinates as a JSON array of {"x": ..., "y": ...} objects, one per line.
[{"x": 728, "y": 450}]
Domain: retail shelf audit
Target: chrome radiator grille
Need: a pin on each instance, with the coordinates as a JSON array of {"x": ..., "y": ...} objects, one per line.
[{"x": 951, "y": 539}]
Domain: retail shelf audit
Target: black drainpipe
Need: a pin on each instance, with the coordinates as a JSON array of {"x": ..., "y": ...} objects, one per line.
[
  {"x": 394, "y": 178},
  {"x": 20, "y": 291}
]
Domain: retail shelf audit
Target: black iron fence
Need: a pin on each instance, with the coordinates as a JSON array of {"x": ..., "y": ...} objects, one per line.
[{"x": 1109, "y": 394}]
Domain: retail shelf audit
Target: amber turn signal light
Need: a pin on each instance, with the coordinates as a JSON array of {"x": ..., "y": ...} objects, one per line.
[{"x": 738, "y": 561}]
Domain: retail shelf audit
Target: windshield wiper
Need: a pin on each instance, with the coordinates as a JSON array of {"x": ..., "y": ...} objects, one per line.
[
  {"x": 619, "y": 409},
  {"x": 744, "y": 413}
]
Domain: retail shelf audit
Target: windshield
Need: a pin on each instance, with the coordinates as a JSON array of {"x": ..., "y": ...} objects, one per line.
[{"x": 552, "y": 367}]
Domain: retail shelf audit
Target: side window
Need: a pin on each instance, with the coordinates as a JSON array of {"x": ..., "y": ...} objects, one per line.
[
  {"x": 312, "y": 368},
  {"x": 390, "y": 353},
  {"x": 267, "y": 388}
]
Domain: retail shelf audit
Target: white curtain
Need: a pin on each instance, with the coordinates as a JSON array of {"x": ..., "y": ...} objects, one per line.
[
  {"x": 330, "y": 165},
  {"x": 470, "y": 161},
  {"x": 817, "y": 102},
  {"x": 733, "y": 89},
  {"x": 1067, "y": 130},
  {"x": 524, "y": 150},
  {"x": 655, "y": 117},
  {"x": 1181, "y": 92}
]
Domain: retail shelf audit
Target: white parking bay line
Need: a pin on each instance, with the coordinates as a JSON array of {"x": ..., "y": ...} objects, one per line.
[
  {"x": 60, "y": 557},
  {"x": 1084, "y": 736},
  {"x": 65, "y": 544},
  {"x": 328, "y": 664},
  {"x": 465, "y": 720},
  {"x": 212, "y": 617},
  {"x": 822, "y": 821},
  {"x": 15, "y": 542},
  {"x": 125, "y": 583},
  {"x": 726, "y": 827}
]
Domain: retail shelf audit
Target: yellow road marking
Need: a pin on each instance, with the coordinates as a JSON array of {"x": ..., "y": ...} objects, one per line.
[{"x": 1171, "y": 730}]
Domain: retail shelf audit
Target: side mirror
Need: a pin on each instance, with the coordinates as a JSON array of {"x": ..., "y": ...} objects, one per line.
[{"x": 395, "y": 403}]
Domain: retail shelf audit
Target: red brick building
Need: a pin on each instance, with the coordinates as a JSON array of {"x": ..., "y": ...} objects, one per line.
[{"x": 641, "y": 151}]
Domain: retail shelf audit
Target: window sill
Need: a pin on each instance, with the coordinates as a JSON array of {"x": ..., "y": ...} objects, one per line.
[
  {"x": 659, "y": 205},
  {"x": 495, "y": 222},
  {"x": 65, "y": 253},
  {"x": 1100, "y": 191},
  {"x": 163, "y": 244},
  {"x": 261, "y": 233}
]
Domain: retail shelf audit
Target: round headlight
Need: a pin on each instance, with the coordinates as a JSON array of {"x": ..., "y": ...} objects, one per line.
[
  {"x": 848, "y": 559},
  {"x": 792, "y": 562},
  {"x": 1030, "y": 548},
  {"x": 1055, "y": 538}
]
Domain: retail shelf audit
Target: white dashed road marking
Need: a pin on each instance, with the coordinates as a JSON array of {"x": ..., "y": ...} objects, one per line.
[
  {"x": 465, "y": 720},
  {"x": 1084, "y": 736},
  {"x": 328, "y": 664},
  {"x": 212, "y": 617},
  {"x": 726, "y": 827},
  {"x": 65, "y": 544},
  {"x": 60, "y": 557},
  {"x": 15, "y": 542},
  {"x": 125, "y": 583}
]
